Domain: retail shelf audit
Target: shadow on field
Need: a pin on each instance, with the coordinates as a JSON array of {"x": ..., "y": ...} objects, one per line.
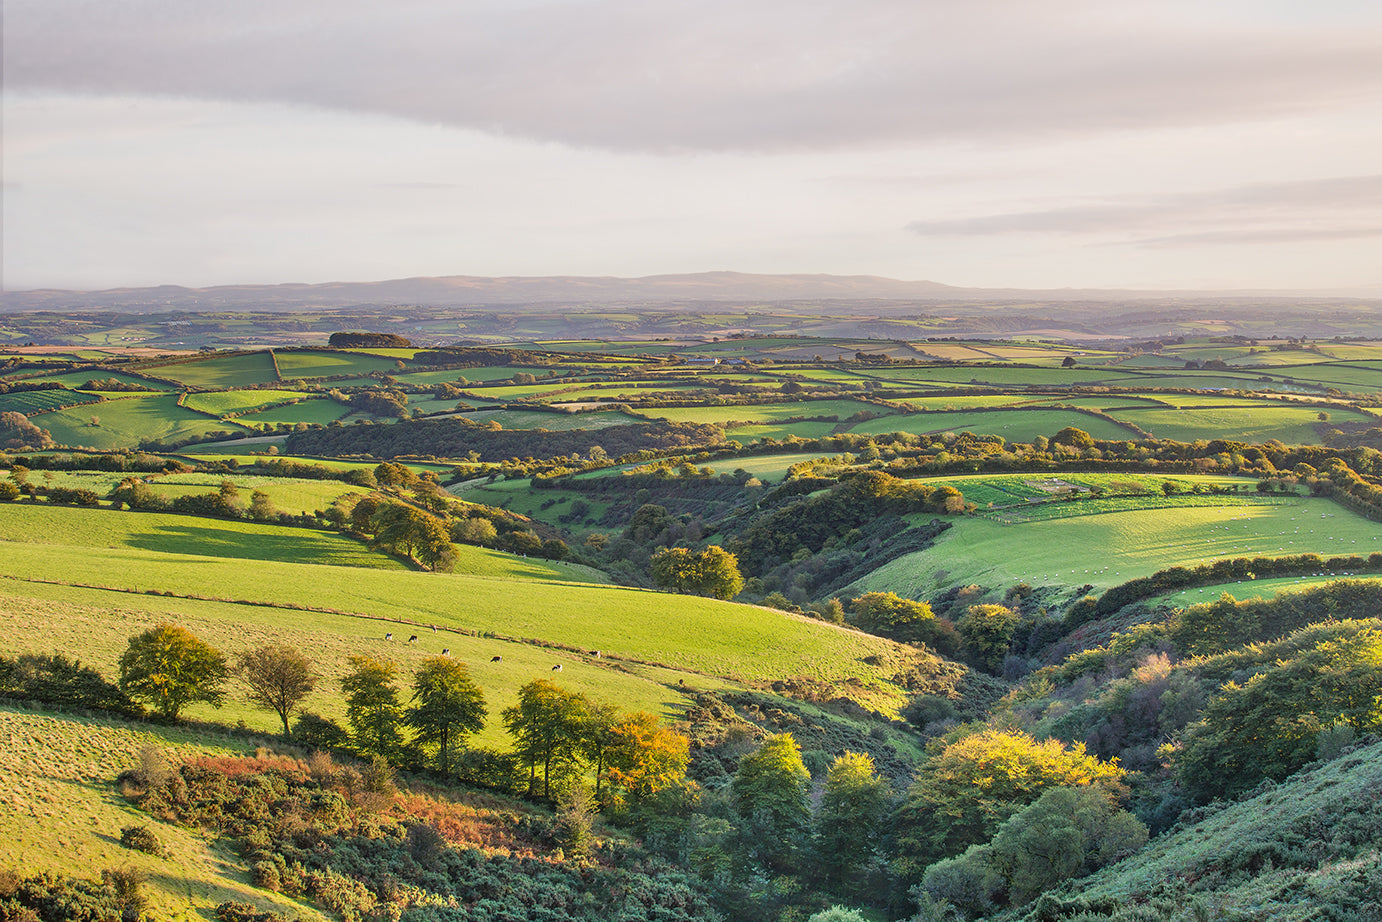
[{"x": 214, "y": 542}]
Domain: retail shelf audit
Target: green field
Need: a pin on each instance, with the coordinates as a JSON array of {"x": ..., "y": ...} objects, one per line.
[
  {"x": 762, "y": 412},
  {"x": 75, "y": 379},
  {"x": 40, "y": 525},
  {"x": 293, "y": 364},
  {"x": 221, "y": 403},
  {"x": 318, "y": 410},
  {"x": 1292, "y": 425},
  {"x": 810, "y": 429},
  {"x": 30, "y": 402},
  {"x": 478, "y": 374},
  {"x": 125, "y": 423},
  {"x": 219, "y": 372},
  {"x": 1244, "y": 589},
  {"x": 1108, "y": 549},
  {"x": 537, "y": 419},
  {"x": 127, "y": 555},
  {"x": 1019, "y": 425},
  {"x": 1008, "y": 489}
]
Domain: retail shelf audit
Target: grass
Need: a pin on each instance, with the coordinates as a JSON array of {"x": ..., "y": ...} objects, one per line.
[
  {"x": 753, "y": 432},
  {"x": 125, "y": 423},
  {"x": 220, "y": 371},
  {"x": 1252, "y": 589},
  {"x": 220, "y": 403},
  {"x": 1020, "y": 425},
  {"x": 319, "y": 410},
  {"x": 61, "y": 812},
  {"x": 28, "y": 402},
  {"x": 511, "y": 599},
  {"x": 97, "y": 625},
  {"x": 537, "y": 419},
  {"x": 69, "y": 530},
  {"x": 1108, "y": 549},
  {"x": 761, "y": 413},
  {"x": 1291, "y": 425},
  {"x": 1308, "y": 819},
  {"x": 1007, "y": 489},
  {"x": 75, "y": 379},
  {"x": 292, "y": 364}
]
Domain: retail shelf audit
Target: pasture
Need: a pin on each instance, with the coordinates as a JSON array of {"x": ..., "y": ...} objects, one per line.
[
  {"x": 500, "y": 595},
  {"x": 1244, "y": 589},
  {"x": 76, "y": 379},
  {"x": 31, "y": 402},
  {"x": 293, "y": 364},
  {"x": 126, "y": 422},
  {"x": 762, "y": 412},
  {"x": 225, "y": 403},
  {"x": 1018, "y": 425},
  {"x": 218, "y": 372},
  {"x": 312, "y": 410},
  {"x": 1107, "y": 549},
  {"x": 1292, "y": 425}
]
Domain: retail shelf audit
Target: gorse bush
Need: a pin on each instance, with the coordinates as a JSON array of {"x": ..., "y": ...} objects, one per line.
[
  {"x": 142, "y": 839},
  {"x": 356, "y": 863}
]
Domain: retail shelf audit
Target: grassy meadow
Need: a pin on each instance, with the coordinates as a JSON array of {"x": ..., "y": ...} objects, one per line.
[
  {"x": 133, "y": 560},
  {"x": 1106, "y": 549},
  {"x": 126, "y": 422}
]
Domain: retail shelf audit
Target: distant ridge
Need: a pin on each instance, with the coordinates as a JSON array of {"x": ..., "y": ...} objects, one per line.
[{"x": 466, "y": 290}]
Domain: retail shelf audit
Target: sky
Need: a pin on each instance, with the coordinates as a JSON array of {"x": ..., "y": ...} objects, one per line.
[{"x": 1153, "y": 144}]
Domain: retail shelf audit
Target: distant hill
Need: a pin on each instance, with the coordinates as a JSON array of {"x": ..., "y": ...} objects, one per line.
[{"x": 464, "y": 290}]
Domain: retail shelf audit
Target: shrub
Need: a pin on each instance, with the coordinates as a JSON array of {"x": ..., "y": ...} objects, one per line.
[
  {"x": 235, "y": 911},
  {"x": 142, "y": 839}
]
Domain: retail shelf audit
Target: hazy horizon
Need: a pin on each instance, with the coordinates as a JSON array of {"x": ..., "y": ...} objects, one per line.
[{"x": 996, "y": 144}]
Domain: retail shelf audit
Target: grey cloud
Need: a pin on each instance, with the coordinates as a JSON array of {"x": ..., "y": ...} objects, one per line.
[
  {"x": 1325, "y": 209},
  {"x": 703, "y": 74}
]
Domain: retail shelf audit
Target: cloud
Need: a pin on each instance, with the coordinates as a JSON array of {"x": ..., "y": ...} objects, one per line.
[
  {"x": 1338, "y": 208},
  {"x": 710, "y": 74}
]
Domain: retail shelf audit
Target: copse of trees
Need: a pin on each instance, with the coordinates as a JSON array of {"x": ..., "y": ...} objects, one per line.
[
  {"x": 713, "y": 572},
  {"x": 1271, "y": 725},
  {"x": 810, "y": 521},
  {"x": 964, "y": 793},
  {"x": 356, "y": 339}
]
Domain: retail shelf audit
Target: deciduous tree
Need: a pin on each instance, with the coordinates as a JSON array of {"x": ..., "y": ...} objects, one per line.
[
  {"x": 850, "y": 815},
  {"x": 713, "y": 571},
  {"x": 548, "y": 726},
  {"x": 446, "y": 706},
  {"x": 169, "y": 667},
  {"x": 278, "y": 678},
  {"x": 962, "y": 795},
  {"x": 770, "y": 794},
  {"x": 372, "y": 706}
]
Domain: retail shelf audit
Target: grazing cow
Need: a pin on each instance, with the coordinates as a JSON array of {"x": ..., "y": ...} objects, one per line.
[
  {"x": 595, "y": 653},
  {"x": 446, "y": 651},
  {"x": 412, "y": 639},
  {"x": 557, "y": 668},
  {"x": 389, "y": 636},
  {"x": 433, "y": 627},
  {"x": 496, "y": 659}
]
